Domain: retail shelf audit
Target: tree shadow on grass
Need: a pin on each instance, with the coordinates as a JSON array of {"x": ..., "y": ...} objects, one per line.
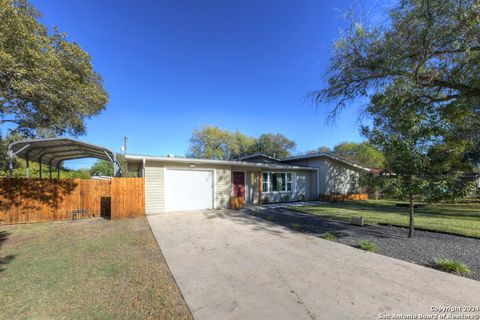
[
  {"x": 315, "y": 225},
  {"x": 437, "y": 212},
  {"x": 472, "y": 215},
  {"x": 7, "y": 259}
]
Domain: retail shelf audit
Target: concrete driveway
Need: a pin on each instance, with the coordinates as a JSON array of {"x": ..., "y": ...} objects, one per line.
[{"x": 230, "y": 265}]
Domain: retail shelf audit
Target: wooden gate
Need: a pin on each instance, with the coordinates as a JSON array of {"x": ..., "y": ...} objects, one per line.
[{"x": 128, "y": 197}]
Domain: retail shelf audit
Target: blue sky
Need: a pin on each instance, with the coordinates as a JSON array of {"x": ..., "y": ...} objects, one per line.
[{"x": 172, "y": 66}]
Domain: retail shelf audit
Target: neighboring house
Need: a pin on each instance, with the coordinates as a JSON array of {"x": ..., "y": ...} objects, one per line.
[{"x": 176, "y": 184}]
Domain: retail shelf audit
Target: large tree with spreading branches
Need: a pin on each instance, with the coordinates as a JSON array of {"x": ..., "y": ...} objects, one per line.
[
  {"x": 210, "y": 142},
  {"x": 430, "y": 47},
  {"x": 47, "y": 83},
  {"x": 419, "y": 70},
  {"x": 419, "y": 164}
]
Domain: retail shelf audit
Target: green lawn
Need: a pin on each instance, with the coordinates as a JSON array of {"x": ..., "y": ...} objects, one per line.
[
  {"x": 90, "y": 269},
  {"x": 463, "y": 219}
]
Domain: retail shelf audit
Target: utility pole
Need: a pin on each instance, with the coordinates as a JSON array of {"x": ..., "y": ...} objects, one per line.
[{"x": 124, "y": 147}]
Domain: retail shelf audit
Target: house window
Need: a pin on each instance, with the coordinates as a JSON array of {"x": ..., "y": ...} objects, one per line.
[
  {"x": 274, "y": 182},
  {"x": 288, "y": 181},
  {"x": 265, "y": 182},
  {"x": 277, "y": 182}
]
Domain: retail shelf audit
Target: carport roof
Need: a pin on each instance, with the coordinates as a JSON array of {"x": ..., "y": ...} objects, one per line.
[{"x": 55, "y": 150}]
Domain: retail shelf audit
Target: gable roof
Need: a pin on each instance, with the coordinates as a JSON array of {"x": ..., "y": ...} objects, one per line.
[
  {"x": 325, "y": 155},
  {"x": 267, "y": 159}
]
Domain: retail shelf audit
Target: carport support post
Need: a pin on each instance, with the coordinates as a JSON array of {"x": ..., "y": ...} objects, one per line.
[
  {"x": 11, "y": 163},
  {"x": 40, "y": 166},
  {"x": 58, "y": 171},
  {"x": 26, "y": 168},
  {"x": 50, "y": 167},
  {"x": 117, "y": 169}
]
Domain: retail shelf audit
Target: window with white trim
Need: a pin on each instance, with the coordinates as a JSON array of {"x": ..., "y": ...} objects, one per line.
[
  {"x": 277, "y": 182},
  {"x": 265, "y": 182},
  {"x": 288, "y": 181}
]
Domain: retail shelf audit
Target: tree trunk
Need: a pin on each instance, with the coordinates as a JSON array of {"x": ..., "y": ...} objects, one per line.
[{"x": 411, "y": 224}]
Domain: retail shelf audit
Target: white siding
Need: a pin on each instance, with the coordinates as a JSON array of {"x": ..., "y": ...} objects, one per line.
[
  {"x": 155, "y": 185},
  {"x": 223, "y": 188},
  {"x": 154, "y": 188}
]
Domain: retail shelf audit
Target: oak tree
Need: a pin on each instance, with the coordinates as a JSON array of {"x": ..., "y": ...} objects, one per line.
[{"x": 47, "y": 83}]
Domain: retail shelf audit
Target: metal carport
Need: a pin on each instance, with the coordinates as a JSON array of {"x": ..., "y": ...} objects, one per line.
[{"x": 54, "y": 151}]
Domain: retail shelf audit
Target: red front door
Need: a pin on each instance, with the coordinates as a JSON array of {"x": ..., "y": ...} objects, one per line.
[{"x": 239, "y": 184}]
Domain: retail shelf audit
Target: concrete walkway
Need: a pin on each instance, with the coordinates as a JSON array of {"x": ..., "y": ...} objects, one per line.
[{"x": 230, "y": 265}]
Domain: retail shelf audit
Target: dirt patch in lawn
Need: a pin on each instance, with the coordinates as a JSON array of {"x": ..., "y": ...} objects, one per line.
[{"x": 90, "y": 269}]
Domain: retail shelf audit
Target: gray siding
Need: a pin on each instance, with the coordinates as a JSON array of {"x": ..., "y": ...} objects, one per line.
[
  {"x": 301, "y": 191},
  {"x": 302, "y": 186},
  {"x": 335, "y": 177},
  {"x": 313, "y": 185},
  {"x": 154, "y": 188}
]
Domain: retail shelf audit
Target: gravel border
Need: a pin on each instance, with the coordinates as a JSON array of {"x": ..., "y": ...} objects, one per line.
[{"x": 423, "y": 249}]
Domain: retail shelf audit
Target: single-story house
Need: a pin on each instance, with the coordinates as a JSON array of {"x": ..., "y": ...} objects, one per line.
[{"x": 177, "y": 184}]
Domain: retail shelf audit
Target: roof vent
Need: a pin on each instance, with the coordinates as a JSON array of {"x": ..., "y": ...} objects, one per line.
[{"x": 170, "y": 156}]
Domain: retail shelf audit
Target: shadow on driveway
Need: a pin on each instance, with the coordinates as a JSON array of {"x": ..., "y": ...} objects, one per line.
[
  {"x": 392, "y": 241},
  {"x": 256, "y": 223}
]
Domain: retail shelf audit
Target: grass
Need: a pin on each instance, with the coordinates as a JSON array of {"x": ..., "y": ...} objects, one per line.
[
  {"x": 295, "y": 226},
  {"x": 90, "y": 269},
  {"x": 462, "y": 219},
  {"x": 368, "y": 246},
  {"x": 328, "y": 236},
  {"x": 453, "y": 266}
]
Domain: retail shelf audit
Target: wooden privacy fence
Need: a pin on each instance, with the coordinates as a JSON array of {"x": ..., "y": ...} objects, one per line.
[{"x": 38, "y": 200}]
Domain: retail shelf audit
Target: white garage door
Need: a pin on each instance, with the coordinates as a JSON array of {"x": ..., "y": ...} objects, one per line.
[{"x": 188, "y": 190}]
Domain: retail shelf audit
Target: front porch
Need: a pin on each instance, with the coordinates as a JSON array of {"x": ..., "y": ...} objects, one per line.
[{"x": 262, "y": 187}]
